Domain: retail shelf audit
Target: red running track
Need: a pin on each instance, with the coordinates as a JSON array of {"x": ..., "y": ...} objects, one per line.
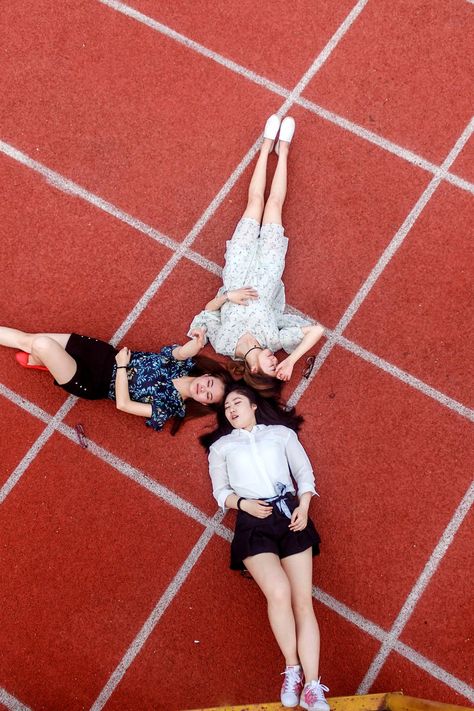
[{"x": 115, "y": 588}]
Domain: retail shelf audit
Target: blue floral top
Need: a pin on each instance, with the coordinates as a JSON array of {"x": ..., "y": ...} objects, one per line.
[{"x": 150, "y": 378}]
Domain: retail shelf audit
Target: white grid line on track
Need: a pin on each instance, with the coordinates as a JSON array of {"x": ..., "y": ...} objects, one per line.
[
  {"x": 65, "y": 185},
  {"x": 149, "y": 625},
  {"x": 343, "y": 123},
  {"x": 188, "y": 509},
  {"x": 290, "y": 101},
  {"x": 417, "y": 591},
  {"x": 230, "y": 182},
  {"x": 10, "y": 702},
  {"x": 382, "y": 263}
]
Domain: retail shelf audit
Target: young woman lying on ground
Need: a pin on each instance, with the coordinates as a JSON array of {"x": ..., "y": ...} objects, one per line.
[
  {"x": 248, "y": 323},
  {"x": 174, "y": 382},
  {"x": 254, "y": 456}
]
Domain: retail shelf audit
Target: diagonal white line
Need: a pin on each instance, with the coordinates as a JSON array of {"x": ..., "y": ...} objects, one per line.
[
  {"x": 229, "y": 184},
  {"x": 10, "y": 702},
  {"x": 385, "y": 144},
  {"x": 39, "y": 443},
  {"x": 149, "y": 625},
  {"x": 434, "y": 670},
  {"x": 65, "y": 185},
  {"x": 330, "y": 116},
  {"x": 383, "y": 261},
  {"x": 134, "y": 14},
  {"x": 406, "y": 378},
  {"x": 418, "y": 589},
  {"x": 131, "y": 472},
  {"x": 69, "y": 187},
  {"x": 225, "y": 533}
]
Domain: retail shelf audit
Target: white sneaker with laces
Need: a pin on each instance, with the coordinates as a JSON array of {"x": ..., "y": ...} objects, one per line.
[
  {"x": 292, "y": 686},
  {"x": 313, "y": 698}
]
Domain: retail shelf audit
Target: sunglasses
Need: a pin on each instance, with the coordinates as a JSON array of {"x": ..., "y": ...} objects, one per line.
[
  {"x": 309, "y": 366},
  {"x": 81, "y": 435}
]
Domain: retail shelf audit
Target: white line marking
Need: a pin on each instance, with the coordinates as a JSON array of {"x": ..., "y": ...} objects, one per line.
[
  {"x": 35, "y": 448},
  {"x": 225, "y": 533},
  {"x": 406, "y": 378},
  {"x": 385, "y": 144},
  {"x": 434, "y": 670},
  {"x": 10, "y": 702},
  {"x": 119, "y": 465},
  {"x": 404, "y": 650},
  {"x": 418, "y": 590},
  {"x": 391, "y": 369},
  {"x": 230, "y": 182},
  {"x": 155, "y": 616},
  {"x": 195, "y": 46},
  {"x": 383, "y": 261},
  {"x": 310, "y": 106},
  {"x": 69, "y": 187}
]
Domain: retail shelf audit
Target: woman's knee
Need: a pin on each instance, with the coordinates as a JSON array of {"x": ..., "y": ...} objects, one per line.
[
  {"x": 274, "y": 203},
  {"x": 41, "y": 345},
  {"x": 279, "y": 594},
  {"x": 302, "y": 605}
]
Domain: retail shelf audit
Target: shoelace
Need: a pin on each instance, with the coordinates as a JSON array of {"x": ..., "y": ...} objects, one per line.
[
  {"x": 292, "y": 678},
  {"x": 315, "y": 691}
]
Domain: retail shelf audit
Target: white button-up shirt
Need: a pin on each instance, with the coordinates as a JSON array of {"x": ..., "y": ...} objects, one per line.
[{"x": 252, "y": 464}]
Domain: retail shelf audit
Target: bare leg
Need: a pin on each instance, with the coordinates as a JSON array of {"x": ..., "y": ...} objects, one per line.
[
  {"x": 299, "y": 570},
  {"x": 45, "y": 348},
  {"x": 269, "y": 575},
  {"x": 256, "y": 195},
  {"x": 276, "y": 199}
]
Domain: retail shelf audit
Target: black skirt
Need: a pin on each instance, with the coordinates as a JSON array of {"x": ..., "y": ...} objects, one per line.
[
  {"x": 95, "y": 361},
  {"x": 254, "y": 535}
]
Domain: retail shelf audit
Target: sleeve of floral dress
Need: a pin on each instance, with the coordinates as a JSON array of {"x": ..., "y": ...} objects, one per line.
[{"x": 211, "y": 320}]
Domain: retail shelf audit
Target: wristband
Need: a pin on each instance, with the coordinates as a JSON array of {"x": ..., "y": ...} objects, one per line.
[
  {"x": 121, "y": 366},
  {"x": 242, "y": 498}
]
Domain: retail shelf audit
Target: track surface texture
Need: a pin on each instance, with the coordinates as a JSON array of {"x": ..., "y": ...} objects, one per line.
[{"x": 127, "y": 137}]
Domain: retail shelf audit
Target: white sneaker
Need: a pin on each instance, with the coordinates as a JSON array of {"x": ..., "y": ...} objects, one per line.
[
  {"x": 271, "y": 128},
  {"x": 313, "y": 698},
  {"x": 287, "y": 130},
  {"x": 292, "y": 686}
]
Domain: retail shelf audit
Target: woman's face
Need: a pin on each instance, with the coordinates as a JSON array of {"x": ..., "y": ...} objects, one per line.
[
  {"x": 240, "y": 411},
  {"x": 207, "y": 389},
  {"x": 267, "y": 362}
]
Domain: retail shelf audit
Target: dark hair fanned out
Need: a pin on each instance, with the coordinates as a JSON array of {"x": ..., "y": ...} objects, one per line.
[
  {"x": 270, "y": 411},
  {"x": 202, "y": 365},
  {"x": 265, "y": 385}
]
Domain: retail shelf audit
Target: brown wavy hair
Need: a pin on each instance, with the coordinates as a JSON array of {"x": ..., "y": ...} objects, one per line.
[{"x": 265, "y": 385}]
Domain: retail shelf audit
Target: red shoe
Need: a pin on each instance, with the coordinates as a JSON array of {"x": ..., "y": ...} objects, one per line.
[{"x": 22, "y": 359}]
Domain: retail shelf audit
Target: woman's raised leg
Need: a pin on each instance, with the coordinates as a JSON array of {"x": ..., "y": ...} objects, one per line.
[
  {"x": 274, "y": 205},
  {"x": 267, "y": 571},
  {"x": 256, "y": 194},
  {"x": 46, "y": 349},
  {"x": 299, "y": 571}
]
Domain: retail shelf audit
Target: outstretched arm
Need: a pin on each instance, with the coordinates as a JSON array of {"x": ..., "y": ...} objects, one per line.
[
  {"x": 122, "y": 395},
  {"x": 311, "y": 335},
  {"x": 192, "y": 347}
]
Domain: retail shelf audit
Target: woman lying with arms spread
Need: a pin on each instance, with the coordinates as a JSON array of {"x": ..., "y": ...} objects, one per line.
[
  {"x": 174, "y": 382},
  {"x": 248, "y": 323},
  {"x": 254, "y": 455}
]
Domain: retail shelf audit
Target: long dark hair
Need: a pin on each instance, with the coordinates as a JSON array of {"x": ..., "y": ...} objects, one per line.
[
  {"x": 270, "y": 411},
  {"x": 265, "y": 385},
  {"x": 202, "y": 365}
]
